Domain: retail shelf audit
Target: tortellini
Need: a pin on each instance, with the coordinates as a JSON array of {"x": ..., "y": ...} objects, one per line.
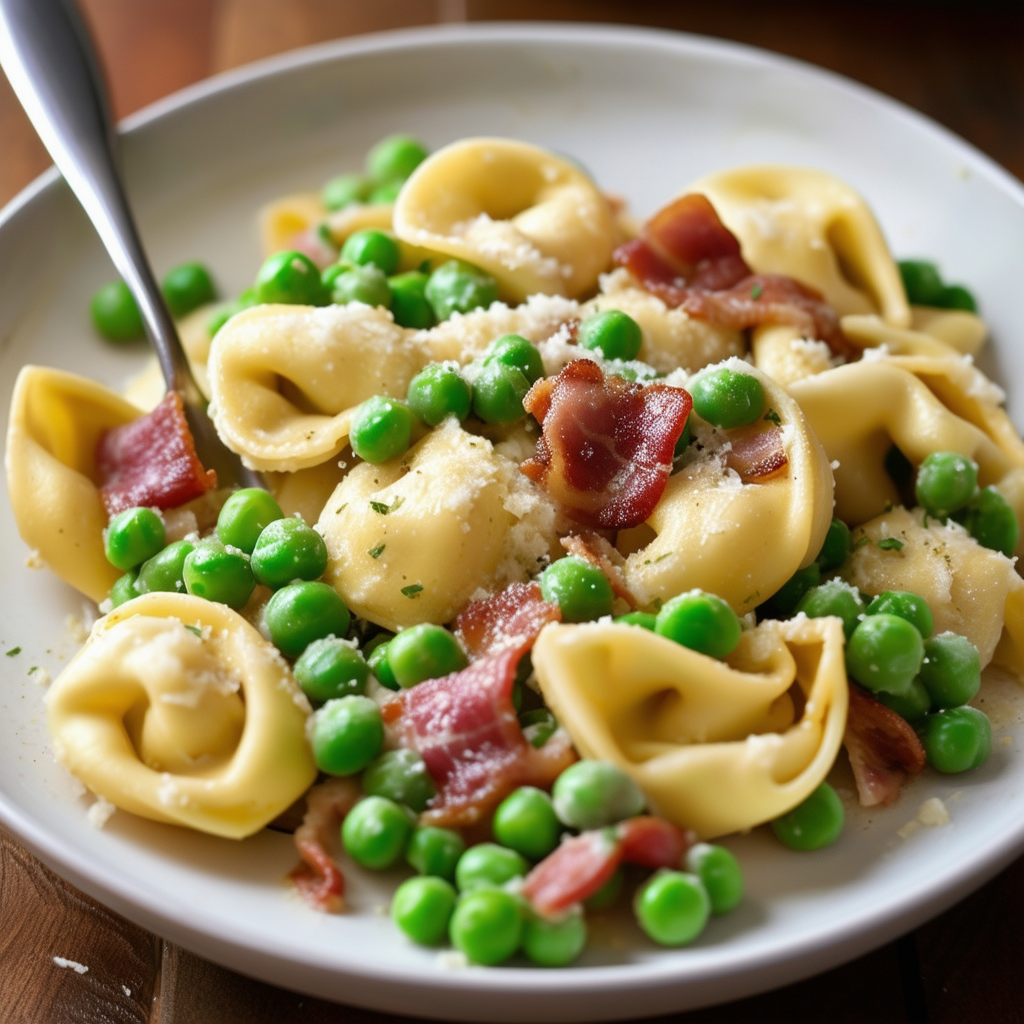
[
  {"x": 178, "y": 710},
  {"x": 715, "y": 746},
  {"x": 533, "y": 220}
]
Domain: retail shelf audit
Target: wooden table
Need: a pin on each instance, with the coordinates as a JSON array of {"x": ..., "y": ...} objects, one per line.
[{"x": 962, "y": 63}]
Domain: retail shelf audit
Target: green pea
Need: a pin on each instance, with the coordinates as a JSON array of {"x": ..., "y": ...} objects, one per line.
[
  {"x": 921, "y": 282},
  {"x": 592, "y": 794},
  {"x": 218, "y": 574},
  {"x": 956, "y": 296},
  {"x": 884, "y": 653},
  {"x": 645, "y": 620},
  {"x": 346, "y": 734},
  {"x": 366, "y": 284},
  {"x": 554, "y": 943},
  {"x": 439, "y": 391},
  {"x": 946, "y": 482},
  {"x": 726, "y": 397},
  {"x": 906, "y": 605},
  {"x": 303, "y": 612},
  {"x": 815, "y": 823},
  {"x": 435, "y": 851},
  {"x": 377, "y": 659},
  {"x": 834, "y": 597},
  {"x": 123, "y": 589},
  {"x": 837, "y": 546},
  {"x": 516, "y": 351},
  {"x": 400, "y": 775},
  {"x": 288, "y": 550},
  {"x": 614, "y": 334},
  {"x": 409, "y": 305},
  {"x": 700, "y": 621},
  {"x": 525, "y": 821},
  {"x": 133, "y": 536},
  {"x": 579, "y": 588},
  {"x": 498, "y": 393},
  {"x": 387, "y": 192},
  {"x": 187, "y": 287},
  {"x": 458, "y": 287},
  {"x": 424, "y": 651},
  {"x": 956, "y": 740},
  {"x": 672, "y": 908},
  {"x": 165, "y": 571},
  {"x": 344, "y": 190},
  {"x": 783, "y": 602},
  {"x": 289, "y": 277},
  {"x": 488, "y": 864},
  {"x": 381, "y": 429},
  {"x": 245, "y": 515},
  {"x": 912, "y": 705},
  {"x": 487, "y": 926},
  {"x": 371, "y": 245},
  {"x": 375, "y": 831},
  {"x": 115, "y": 314},
  {"x": 423, "y": 907},
  {"x": 951, "y": 670},
  {"x": 538, "y": 726},
  {"x": 719, "y": 873},
  {"x": 395, "y": 156},
  {"x": 222, "y": 314},
  {"x": 607, "y": 896},
  {"x": 331, "y": 668},
  {"x": 990, "y": 519}
]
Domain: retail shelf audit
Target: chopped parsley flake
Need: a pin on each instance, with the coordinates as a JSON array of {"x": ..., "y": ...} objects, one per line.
[
  {"x": 755, "y": 292},
  {"x": 13, "y": 651},
  {"x": 860, "y": 542},
  {"x": 412, "y": 590},
  {"x": 34, "y": 668},
  {"x": 382, "y": 509},
  {"x": 773, "y": 417},
  {"x": 890, "y": 544},
  {"x": 377, "y": 551},
  {"x": 195, "y": 629}
]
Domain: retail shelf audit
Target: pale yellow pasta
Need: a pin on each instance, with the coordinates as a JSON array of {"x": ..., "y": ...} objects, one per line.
[
  {"x": 56, "y": 420},
  {"x": 285, "y": 380},
  {"x": 305, "y": 492},
  {"x": 814, "y": 227},
  {"x": 738, "y": 540},
  {"x": 533, "y": 220},
  {"x": 284, "y": 218},
  {"x": 782, "y": 352},
  {"x": 202, "y": 730},
  {"x": 871, "y": 331},
  {"x": 961, "y": 330},
  {"x": 414, "y": 539},
  {"x": 715, "y": 746}
]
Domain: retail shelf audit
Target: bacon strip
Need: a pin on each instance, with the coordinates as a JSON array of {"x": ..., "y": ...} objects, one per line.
[
  {"x": 514, "y": 615},
  {"x": 883, "y": 748},
  {"x": 151, "y": 461},
  {"x": 755, "y": 454},
  {"x": 600, "y": 552},
  {"x": 605, "y": 451}
]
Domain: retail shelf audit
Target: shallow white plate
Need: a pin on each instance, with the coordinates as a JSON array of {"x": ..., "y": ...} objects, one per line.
[{"x": 647, "y": 112}]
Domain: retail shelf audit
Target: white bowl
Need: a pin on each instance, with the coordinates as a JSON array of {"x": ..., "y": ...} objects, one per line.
[{"x": 647, "y": 112}]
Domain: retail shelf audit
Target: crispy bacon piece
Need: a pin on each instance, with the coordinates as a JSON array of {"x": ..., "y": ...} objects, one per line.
[
  {"x": 512, "y": 616},
  {"x": 151, "y": 461},
  {"x": 654, "y": 842},
  {"x": 467, "y": 731},
  {"x": 884, "y": 750},
  {"x": 605, "y": 451},
  {"x": 755, "y": 454},
  {"x": 317, "y": 877},
  {"x": 600, "y": 552}
]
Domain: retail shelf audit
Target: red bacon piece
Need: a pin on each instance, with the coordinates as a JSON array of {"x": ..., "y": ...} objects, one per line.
[
  {"x": 605, "y": 451},
  {"x": 654, "y": 842},
  {"x": 151, "y": 461},
  {"x": 883, "y": 748},
  {"x": 512, "y": 616},
  {"x": 318, "y": 878},
  {"x": 573, "y": 872},
  {"x": 755, "y": 454}
]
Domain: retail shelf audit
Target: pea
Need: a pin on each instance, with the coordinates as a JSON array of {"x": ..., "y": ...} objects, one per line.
[
  {"x": 990, "y": 519},
  {"x": 165, "y": 571},
  {"x": 498, "y": 393},
  {"x": 815, "y": 823},
  {"x": 439, "y": 391},
  {"x": 409, "y": 305},
  {"x": 784, "y": 601},
  {"x": 727, "y": 397},
  {"x": 921, "y": 282},
  {"x": 516, "y": 351},
  {"x": 906, "y": 605},
  {"x": 956, "y": 296},
  {"x": 700, "y": 621},
  {"x": 435, "y": 851},
  {"x": 371, "y": 245},
  {"x": 719, "y": 873},
  {"x": 672, "y": 908},
  {"x": 344, "y": 190},
  {"x": 607, "y": 896},
  {"x": 400, "y": 775},
  {"x": 245, "y": 515},
  {"x": 645, "y": 620},
  {"x": 946, "y": 482},
  {"x": 458, "y": 287},
  {"x": 538, "y": 726},
  {"x": 377, "y": 659},
  {"x": 222, "y": 314},
  {"x": 956, "y": 740},
  {"x": 592, "y": 794},
  {"x": 187, "y": 287},
  {"x": 288, "y": 550},
  {"x": 837, "y": 546},
  {"x": 579, "y": 588},
  {"x": 834, "y": 597},
  {"x": 525, "y": 821},
  {"x": 614, "y": 334},
  {"x": 488, "y": 864},
  {"x": 331, "y": 668},
  {"x": 115, "y": 314},
  {"x": 381, "y": 429},
  {"x": 884, "y": 653},
  {"x": 303, "y": 612},
  {"x": 374, "y": 832},
  {"x": 218, "y": 574},
  {"x": 487, "y": 926},
  {"x": 387, "y": 192},
  {"x": 951, "y": 670},
  {"x": 133, "y": 536},
  {"x": 554, "y": 943},
  {"x": 366, "y": 284},
  {"x": 123, "y": 589},
  {"x": 289, "y": 277},
  {"x": 346, "y": 734},
  {"x": 424, "y": 652},
  {"x": 911, "y": 705},
  {"x": 423, "y": 907},
  {"x": 395, "y": 156}
]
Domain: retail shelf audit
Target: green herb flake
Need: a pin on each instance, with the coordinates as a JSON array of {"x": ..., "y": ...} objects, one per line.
[
  {"x": 860, "y": 542},
  {"x": 377, "y": 551},
  {"x": 756, "y": 291},
  {"x": 890, "y": 544},
  {"x": 382, "y": 509},
  {"x": 195, "y": 629},
  {"x": 34, "y": 668},
  {"x": 773, "y": 417},
  {"x": 13, "y": 651},
  {"x": 413, "y": 590}
]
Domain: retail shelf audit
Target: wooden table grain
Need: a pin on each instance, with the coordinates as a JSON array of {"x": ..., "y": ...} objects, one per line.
[{"x": 962, "y": 63}]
